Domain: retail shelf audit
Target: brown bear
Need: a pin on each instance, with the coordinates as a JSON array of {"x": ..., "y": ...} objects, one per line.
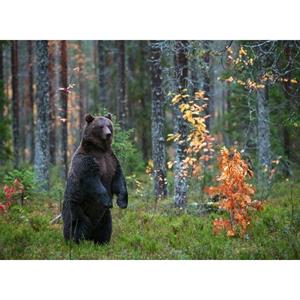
[{"x": 95, "y": 175}]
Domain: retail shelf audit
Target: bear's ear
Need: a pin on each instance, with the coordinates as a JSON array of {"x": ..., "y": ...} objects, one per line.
[
  {"x": 89, "y": 118},
  {"x": 108, "y": 116}
]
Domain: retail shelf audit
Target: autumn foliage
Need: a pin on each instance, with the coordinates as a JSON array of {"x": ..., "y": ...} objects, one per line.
[
  {"x": 200, "y": 149},
  {"x": 235, "y": 193},
  {"x": 11, "y": 193}
]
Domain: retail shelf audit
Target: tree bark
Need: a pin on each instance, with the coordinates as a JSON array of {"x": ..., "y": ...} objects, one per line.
[
  {"x": 122, "y": 109},
  {"x": 64, "y": 105},
  {"x": 52, "y": 96},
  {"x": 15, "y": 103},
  {"x": 42, "y": 158},
  {"x": 263, "y": 138},
  {"x": 101, "y": 74},
  {"x": 2, "y": 100},
  {"x": 31, "y": 98},
  {"x": 180, "y": 125},
  {"x": 82, "y": 86},
  {"x": 287, "y": 143},
  {"x": 158, "y": 139}
]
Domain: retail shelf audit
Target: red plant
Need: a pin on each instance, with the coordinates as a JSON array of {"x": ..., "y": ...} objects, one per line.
[
  {"x": 235, "y": 193},
  {"x": 11, "y": 193}
]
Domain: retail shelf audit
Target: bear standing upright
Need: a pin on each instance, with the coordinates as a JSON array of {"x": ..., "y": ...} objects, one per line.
[{"x": 95, "y": 175}]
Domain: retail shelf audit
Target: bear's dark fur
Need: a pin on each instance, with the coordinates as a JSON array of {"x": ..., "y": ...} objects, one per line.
[{"x": 95, "y": 175}]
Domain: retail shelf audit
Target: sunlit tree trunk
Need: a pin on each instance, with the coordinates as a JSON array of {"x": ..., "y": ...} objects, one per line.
[
  {"x": 52, "y": 95},
  {"x": 180, "y": 125},
  {"x": 42, "y": 157},
  {"x": 122, "y": 109},
  {"x": 101, "y": 74},
  {"x": 158, "y": 139},
  {"x": 15, "y": 103},
  {"x": 64, "y": 105}
]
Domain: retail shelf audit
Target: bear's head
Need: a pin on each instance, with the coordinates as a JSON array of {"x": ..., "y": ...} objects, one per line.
[{"x": 98, "y": 132}]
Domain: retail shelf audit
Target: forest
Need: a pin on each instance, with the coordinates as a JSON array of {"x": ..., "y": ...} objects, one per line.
[{"x": 206, "y": 131}]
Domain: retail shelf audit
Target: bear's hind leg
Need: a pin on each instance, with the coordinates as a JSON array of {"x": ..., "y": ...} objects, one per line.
[
  {"x": 77, "y": 231},
  {"x": 103, "y": 230}
]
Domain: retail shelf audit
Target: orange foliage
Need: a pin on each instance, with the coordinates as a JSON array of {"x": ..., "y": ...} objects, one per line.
[{"x": 235, "y": 192}]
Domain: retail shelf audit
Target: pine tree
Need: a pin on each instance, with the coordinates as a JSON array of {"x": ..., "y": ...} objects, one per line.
[
  {"x": 15, "y": 103},
  {"x": 42, "y": 157},
  {"x": 158, "y": 140},
  {"x": 180, "y": 125},
  {"x": 122, "y": 109},
  {"x": 64, "y": 106}
]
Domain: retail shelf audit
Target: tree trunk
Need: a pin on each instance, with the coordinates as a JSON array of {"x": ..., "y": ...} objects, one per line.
[
  {"x": 287, "y": 143},
  {"x": 2, "y": 100},
  {"x": 101, "y": 74},
  {"x": 263, "y": 138},
  {"x": 180, "y": 126},
  {"x": 158, "y": 140},
  {"x": 82, "y": 86},
  {"x": 122, "y": 109},
  {"x": 52, "y": 96},
  {"x": 42, "y": 158},
  {"x": 15, "y": 103},
  {"x": 64, "y": 106},
  {"x": 31, "y": 98}
]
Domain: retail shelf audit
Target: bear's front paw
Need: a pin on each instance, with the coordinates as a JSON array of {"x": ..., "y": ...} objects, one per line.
[
  {"x": 122, "y": 200},
  {"x": 106, "y": 200}
]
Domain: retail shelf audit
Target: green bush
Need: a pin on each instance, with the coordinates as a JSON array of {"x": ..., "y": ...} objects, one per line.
[
  {"x": 127, "y": 152},
  {"x": 25, "y": 176}
]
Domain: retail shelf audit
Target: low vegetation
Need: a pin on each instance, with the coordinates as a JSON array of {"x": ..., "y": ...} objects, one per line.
[{"x": 150, "y": 230}]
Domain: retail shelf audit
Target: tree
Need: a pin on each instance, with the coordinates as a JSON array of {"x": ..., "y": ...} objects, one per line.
[
  {"x": 42, "y": 157},
  {"x": 101, "y": 73},
  {"x": 31, "y": 97},
  {"x": 180, "y": 125},
  {"x": 122, "y": 109},
  {"x": 15, "y": 103},
  {"x": 64, "y": 105},
  {"x": 82, "y": 84},
  {"x": 1, "y": 101},
  {"x": 263, "y": 136},
  {"x": 52, "y": 96},
  {"x": 158, "y": 140}
]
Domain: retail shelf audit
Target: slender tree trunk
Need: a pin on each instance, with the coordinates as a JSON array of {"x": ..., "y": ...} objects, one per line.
[
  {"x": 180, "y": 126},
  {"x": 2, "y": 97},
  {"x": 158, "y": 140},
  {"x": 52, "y": 96},
  {"x": 31, "y": 98},
  {"x": 122, "y": 109},
  {"x": 287, "y": 92},
  {"x": 15, "y": 103},
  {"x": 42, "y": 158},
  {"x": 207, "y": 84},
  {"x": 82, "y": 87},
  {"x": 263, "y": 138},
  {"x": 22, "y": 93},
  {"x": 101, "y": 74},
  {"x": 64, "y": 106}
]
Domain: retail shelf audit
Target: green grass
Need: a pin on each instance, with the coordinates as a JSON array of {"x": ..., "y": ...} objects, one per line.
[{"x": 148, "y": 231}]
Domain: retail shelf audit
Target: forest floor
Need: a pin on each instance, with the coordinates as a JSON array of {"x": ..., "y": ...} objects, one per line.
[{"x": 148, "y": 231}]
